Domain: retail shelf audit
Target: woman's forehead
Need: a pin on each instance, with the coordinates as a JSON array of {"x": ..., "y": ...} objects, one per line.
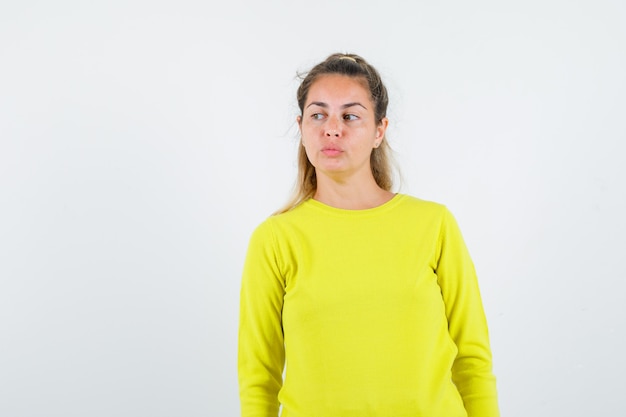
[{"x": 337, "y": 88}]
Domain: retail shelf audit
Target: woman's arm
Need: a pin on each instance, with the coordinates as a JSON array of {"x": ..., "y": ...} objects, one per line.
[
  {"x": 261, "y": 355},
  {"x": 472, "y": 369}
]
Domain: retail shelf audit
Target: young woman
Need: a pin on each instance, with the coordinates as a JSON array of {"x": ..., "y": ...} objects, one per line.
[{"x": 365, "y": 301}]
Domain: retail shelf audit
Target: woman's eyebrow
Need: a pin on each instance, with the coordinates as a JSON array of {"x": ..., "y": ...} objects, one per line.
[
  {"x": 356, "y": 103},
  {"x": 344, "y": 106}
]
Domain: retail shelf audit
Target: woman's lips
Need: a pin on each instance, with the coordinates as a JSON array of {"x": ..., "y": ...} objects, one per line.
[{"x": 331, "y": 151}]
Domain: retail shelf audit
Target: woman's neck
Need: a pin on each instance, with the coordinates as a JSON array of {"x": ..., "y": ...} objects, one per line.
[{"x": 351, "y": 196}]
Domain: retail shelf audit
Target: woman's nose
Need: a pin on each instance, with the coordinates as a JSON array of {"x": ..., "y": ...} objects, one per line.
[{"x": 332, "y": 129}]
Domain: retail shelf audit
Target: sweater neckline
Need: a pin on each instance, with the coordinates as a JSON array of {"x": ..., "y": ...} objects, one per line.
[{"x": 388, "y": 205}]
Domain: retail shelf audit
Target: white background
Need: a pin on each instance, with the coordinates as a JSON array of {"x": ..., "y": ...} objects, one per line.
[{"x": 142, "y": 141}]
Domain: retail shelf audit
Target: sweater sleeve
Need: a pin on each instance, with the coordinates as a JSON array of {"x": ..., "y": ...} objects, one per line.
[
  {"x": 261, "y": 353},
  {"x": 472, "y": 368}
]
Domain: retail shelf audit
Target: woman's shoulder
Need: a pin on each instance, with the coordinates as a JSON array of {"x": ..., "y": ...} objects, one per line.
[
  {"x": 415, "y": 203},
  {"x": 276, "y": 220}
]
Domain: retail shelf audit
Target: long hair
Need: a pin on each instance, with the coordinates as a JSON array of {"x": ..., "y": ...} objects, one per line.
[{"x": 349, "y": 65}]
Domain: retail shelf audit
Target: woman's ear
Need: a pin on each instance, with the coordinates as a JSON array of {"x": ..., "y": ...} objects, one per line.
[
  {"x": 382, "y": 128},
  {"x": 299, "y": 121}
]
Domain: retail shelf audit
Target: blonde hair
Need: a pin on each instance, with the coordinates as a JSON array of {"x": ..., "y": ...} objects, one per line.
[{"x": 350, "y": 65}]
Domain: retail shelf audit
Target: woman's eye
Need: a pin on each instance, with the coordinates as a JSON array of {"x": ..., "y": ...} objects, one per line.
[
  {"x": 317, "y": 116},
  {"x": 350, "y": 117}
]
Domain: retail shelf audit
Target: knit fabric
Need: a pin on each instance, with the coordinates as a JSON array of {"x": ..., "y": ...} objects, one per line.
[{"x": 367, "y": 313}]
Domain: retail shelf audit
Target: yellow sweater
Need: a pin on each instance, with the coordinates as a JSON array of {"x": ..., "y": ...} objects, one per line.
[{"x": 369, "y": 313}]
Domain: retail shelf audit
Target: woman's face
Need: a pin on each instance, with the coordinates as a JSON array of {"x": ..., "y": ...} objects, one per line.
[{"x": 339, "y": 128}]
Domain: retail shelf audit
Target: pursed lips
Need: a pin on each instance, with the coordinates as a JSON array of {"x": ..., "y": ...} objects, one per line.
[{"x": 331, "y": 150}]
